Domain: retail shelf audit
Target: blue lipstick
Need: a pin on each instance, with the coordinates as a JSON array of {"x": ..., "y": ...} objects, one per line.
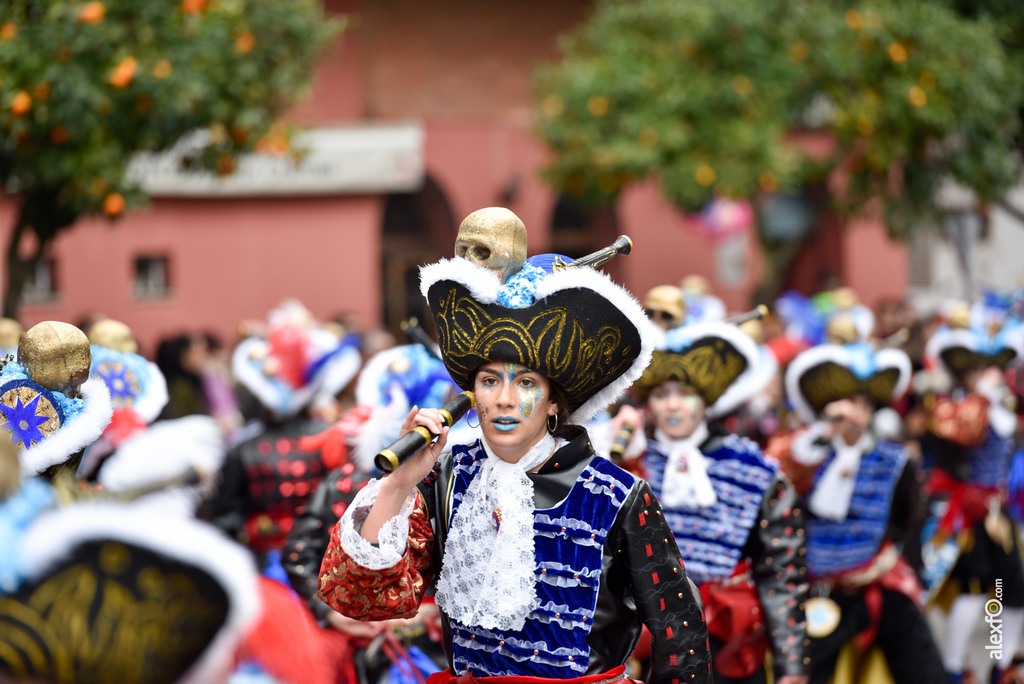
[{"x": 505, "y": 423}]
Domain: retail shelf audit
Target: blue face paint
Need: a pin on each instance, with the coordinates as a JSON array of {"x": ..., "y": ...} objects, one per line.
[{"x": 496, "y": 406}]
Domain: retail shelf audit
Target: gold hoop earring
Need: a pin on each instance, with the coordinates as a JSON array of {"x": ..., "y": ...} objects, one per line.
[
  {"x": 477, "y": 421},
  {"x": 552, "y": 428}
]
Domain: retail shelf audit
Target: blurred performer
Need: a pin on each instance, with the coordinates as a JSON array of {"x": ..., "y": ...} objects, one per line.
[
  {"x": 861, "y": 505},
  {"x": 138, "y": 391},
  {"x": 760, "y": 418},
  {"x": 267, "y": 479},
  {"x": 390, "y": 384},
  {"x": 104, "y": 591},
  {"x": 11, "y": 333},
  {"x": 549, "y": 557},
  {"x": 974, "y": 543},
  {"x": 735, "y": 517}
]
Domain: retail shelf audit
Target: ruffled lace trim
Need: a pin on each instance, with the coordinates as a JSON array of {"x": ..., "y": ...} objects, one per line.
[
  {"x": 489, "y": 573},
  {"x": 805, "y": 446},
  {"x": 393, "y": 537}
]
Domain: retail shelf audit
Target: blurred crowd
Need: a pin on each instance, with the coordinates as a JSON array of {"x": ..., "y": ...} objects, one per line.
[{"x": 120, "y": 470}]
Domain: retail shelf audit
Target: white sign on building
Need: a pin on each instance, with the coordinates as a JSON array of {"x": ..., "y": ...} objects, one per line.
[{"x": 360, "y": 159}]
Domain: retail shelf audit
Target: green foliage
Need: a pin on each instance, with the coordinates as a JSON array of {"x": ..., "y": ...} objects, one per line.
[
  {"x": 83, "y": 86},
  {"x": 705, "y": 95}
]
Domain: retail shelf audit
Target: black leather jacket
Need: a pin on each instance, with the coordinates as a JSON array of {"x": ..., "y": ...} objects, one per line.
[
  {"x": 304, "y": 549},
  {"x": 626, "y": 597}
]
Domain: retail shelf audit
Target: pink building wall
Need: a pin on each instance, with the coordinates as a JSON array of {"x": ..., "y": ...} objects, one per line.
[
  {"x": 461, "y": 69},
  {"x": 229, "y": 260},
  {"x": 874, "y": 264}
]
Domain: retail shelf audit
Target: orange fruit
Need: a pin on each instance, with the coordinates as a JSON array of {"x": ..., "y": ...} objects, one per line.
[
  {"x": 8, "y": 30},
  {"x": 193, "y": 6},
  {"x": 245, "y": 43},
  {"x": 162, "y": 69},
  {"x": 21, "y": 103},
  {"x": 92, "y": 12},
  {"x": 124, "y": 73},
  {"x": 113, "y": 204},
  {"x": 59, "y": 135},
  {"x": 42, "y": 91}
]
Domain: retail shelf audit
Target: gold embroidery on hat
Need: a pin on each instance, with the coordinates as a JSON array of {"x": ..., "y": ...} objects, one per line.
[
  {"x": 830, "y": 382},
  {"x": 551, "y": 343},
  {"x": 710, "y": 366}
]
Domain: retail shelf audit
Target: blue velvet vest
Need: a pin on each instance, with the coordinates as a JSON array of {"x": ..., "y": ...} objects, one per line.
[
  {"x": 990, "y": 462},
  {"x": 568, "y": 542},
  {"x": 711, "y": 539},
  {"x": 837, "y": 545}
]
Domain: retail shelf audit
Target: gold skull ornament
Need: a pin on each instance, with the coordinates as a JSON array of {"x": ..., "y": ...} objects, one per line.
[
  {"x": 844, "y": 298},
  {"x": 113, "y": 335},
  {"x": 494, "y": 238},
  {"x": 666, "y": 306},
  {"x": 57, "y": 356},
  {"x": 842, "y": 330},
  {"x": 10, "y": 333},
  {"x": 960, "y": 316}
]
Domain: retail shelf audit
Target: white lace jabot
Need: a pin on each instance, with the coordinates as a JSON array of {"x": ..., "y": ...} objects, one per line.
[
  {"x": 488, "y": 577},
  {"x": 686, "y": 482}
]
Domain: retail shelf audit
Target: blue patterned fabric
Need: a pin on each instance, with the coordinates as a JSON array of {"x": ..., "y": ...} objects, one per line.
[
  {"x": 569, "y": 540},
  {"x": 711, "y": 538},
  {"x": 834, "y": 546},
  {"x": 990, "y": 462}
]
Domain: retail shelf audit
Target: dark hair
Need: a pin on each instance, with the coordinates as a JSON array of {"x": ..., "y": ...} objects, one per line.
[{"x": 565, "y": 424}]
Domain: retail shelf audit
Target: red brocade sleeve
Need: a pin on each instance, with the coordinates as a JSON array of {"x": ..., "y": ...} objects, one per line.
[{"x": 363, "y": 594}]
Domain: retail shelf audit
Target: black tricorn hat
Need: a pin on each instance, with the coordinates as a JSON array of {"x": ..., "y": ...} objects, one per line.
[
  {"x": 115, "y": 595},
  {"x": 717, "y": 359},
  {"x": 582, "y": 331},
  {"x": 830, "y": 372}
]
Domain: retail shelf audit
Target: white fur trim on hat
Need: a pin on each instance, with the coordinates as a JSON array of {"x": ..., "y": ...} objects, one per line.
[
  {"x": 76, "y": 434},
  {"x": 165, "y": 451},
  {"x": 152, "y": 403},
  {"x": 282, "y": 405},
  {"x": 56, "y": 533},
  {"x": 840, "y": 355},
  {"x": 484, "y": 286},
  {"x": 747, "y": 384}
]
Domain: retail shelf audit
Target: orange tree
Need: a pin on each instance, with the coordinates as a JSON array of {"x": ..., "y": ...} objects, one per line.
[
  {"x": 704, "y": 96},
  {"x": 85, "y": 85}
]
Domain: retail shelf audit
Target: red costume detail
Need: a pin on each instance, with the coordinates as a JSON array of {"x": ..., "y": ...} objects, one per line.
[
  {"x": 963, "y": 422},
  {"x": 394, "y": 592}
]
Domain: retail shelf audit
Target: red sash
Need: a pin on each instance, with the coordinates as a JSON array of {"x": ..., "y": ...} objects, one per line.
[
  {"x": 900, "y": 578},
  {"x": 617, "y": 674},
  {"x": 968, "y": 504},
  {"x": 733, "y": 613}
]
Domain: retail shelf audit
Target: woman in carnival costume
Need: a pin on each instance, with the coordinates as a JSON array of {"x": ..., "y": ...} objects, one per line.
[
  {"x": 390, "y": 384},
  {"x": 735, "y": 517},
  {"x": 548, "y": 557},
  {"x": 861, "y": 506},
  {"x": 973, "y": 542}
]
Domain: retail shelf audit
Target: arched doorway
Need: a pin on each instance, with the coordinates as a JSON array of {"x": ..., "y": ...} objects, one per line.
[{"x": 418, "y": 228}]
